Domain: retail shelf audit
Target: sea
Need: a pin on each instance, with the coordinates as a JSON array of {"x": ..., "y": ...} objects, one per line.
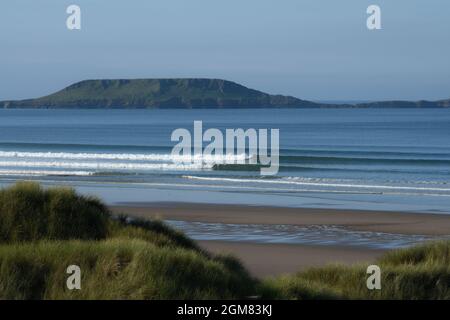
[{"x": 371, "y": 159}]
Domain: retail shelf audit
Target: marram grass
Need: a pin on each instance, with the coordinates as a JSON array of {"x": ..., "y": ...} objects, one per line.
[
  {"x": 116, "y": 269},
  {"x": 43, "y": 231},
  {"x": 417, "y": 273},
  {"x": 29, "y": 213}
]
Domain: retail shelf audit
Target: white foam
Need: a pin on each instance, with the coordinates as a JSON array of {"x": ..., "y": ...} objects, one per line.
[
  {"x": 105, "y": 165},
  {"x": 290, "y": 181},
  {"x": 227, "y": 158},
  {"x": 44, "y": 173}
]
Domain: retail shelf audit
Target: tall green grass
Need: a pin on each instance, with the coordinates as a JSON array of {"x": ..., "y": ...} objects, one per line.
[
  {"x": 43, "y": 231},
  {"x": 154, "y": 231},
  {"x": 29, "y": 213},
  {"x": 421, "y": 272},
  {"x": 117, "y": 269}
]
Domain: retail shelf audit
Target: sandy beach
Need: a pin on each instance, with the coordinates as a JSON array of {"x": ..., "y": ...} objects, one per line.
[
  {"x": 276, "y": 259},
  {"x": 273, "y": 259},
  {"x": 377, "y": 221}
]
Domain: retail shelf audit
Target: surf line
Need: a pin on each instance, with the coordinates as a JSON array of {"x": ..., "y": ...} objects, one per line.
[{"x": 231, "y": 144}]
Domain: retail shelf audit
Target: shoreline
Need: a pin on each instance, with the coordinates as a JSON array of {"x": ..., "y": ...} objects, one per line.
[
  {"x": 272, "y": 259},
  {"x": 406, "y": 223}
]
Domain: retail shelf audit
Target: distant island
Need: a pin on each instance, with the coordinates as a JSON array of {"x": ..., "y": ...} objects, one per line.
[{"x": 186, "y": 94}]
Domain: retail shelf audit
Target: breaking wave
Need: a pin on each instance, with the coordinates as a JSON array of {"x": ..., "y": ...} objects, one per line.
[{"x": 123, "y": 156}]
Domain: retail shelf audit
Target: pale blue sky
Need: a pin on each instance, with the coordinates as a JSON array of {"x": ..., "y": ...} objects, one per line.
[{"x": 312, "y": 49}]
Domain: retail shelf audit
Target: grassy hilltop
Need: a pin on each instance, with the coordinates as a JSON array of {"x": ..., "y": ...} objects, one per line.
[
  {"x": 186, "y": 94},
  {"x": 159, "y": 93},
  {"x": 43, "y": 231}
]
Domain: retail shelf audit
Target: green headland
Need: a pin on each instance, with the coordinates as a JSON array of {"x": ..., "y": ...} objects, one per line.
[{"x": 184, "y": 93}]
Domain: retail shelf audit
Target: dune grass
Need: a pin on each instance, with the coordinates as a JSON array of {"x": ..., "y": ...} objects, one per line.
[
  {"x": 154, "y": 231},
  {"x": 43, "y": 231},
  {"x": 416, "y": 273},
  {"x": 29, "y": 213},
  {"x": 116, "y": 269}
]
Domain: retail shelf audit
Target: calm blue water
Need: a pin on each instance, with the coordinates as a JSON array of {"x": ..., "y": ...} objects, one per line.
[{"x": 365, "y": 159}]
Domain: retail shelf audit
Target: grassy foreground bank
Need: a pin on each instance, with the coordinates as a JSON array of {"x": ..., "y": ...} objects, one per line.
[{"x": 43, "y": 231}]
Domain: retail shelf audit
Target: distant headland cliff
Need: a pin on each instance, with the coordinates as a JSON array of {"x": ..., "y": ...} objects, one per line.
[{"x": 186, "y": 94}]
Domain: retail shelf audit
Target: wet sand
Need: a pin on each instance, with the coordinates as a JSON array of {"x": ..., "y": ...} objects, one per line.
[
  {"x": 376, "y": 221},
  {"x": 266, "y": 259}
]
